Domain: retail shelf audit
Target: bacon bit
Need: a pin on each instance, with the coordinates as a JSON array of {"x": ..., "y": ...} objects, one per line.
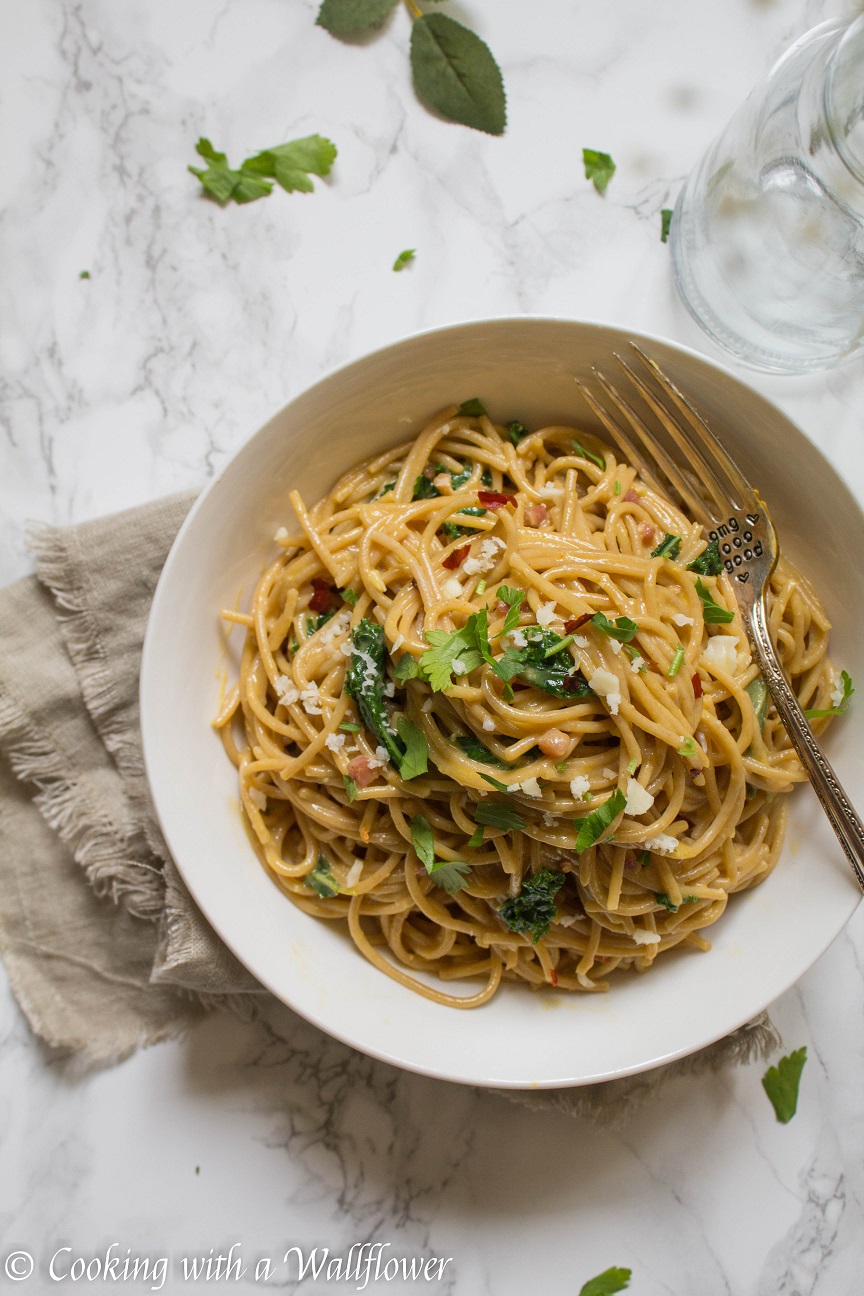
[
  {"x": 456, "y": 558},
  {"x": 555, "y": 742},
  {"x": 429, "y": 472},
  {"x": 536, "y": 514},
  {"x": 697, "y": 685},
  {"x": 495, "y": 499},
  {"x": 553, "y": 976},
  {"x": 361, "y": 772},
  {"x": 575, "y": 623},
  {"x": 648, "y": 533},
  {"x": 631, "y": 496}
]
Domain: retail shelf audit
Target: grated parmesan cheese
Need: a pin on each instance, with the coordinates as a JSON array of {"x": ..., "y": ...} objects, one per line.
[
  {"x": 281, "y": 535},
  {"x": 334, "y": 741},
  {"x": 639, "y": 800},
  {"x": 721, "y": 651},
  {"x": 488, "y": 724},
  {"x": 546, "y": 614},
  {"x": 636, "y": 664},
  {"x": 579, "y": 786},
  {"x": 486, "y": 556},
  {"x": 606, "y": 685},
  {"x": 310, "y": 700},
  {"x": 680, "y": 619},
  {"x": 459, "y": 667},
  {"x": 645, "y": 937},
  {"x": 286, "y": 690},
  {"x": 452, "y": 588},
  {"x": 397, "y": 643},
  {"x": 615, "y": 646},
  {"x": 517, "y": 639},
  {"x": 837, "y": 691},
  {"x": 354, "y": 873},
  {"x": 662, "y": 844},
  {"x": 258, "y": 798},
  {"x": 529, "y": 786}
]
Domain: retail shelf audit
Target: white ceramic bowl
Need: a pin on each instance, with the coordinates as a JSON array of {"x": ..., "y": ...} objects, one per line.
[{"x": 521, "y": 368}]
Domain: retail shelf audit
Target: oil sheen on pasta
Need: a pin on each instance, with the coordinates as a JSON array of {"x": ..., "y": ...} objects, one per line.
[{"x": 669, "y": 711}]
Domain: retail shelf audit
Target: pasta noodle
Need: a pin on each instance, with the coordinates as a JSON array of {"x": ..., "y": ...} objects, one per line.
[{"x": 598, "y": 779}]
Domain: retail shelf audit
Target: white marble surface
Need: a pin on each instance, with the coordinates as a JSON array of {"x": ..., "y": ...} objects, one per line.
[{"x": 195, "y": 324}]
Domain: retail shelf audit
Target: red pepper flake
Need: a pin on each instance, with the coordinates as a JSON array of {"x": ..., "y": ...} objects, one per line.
[
  {"x": 570, "y": 627},
  {"x": 697, "y": 685},
  {"x": 495, "y": 499},
  {"x": 456, "y": 558},
  {"x": 320, "y": 582},
  {"x": 553, "y": 976}
]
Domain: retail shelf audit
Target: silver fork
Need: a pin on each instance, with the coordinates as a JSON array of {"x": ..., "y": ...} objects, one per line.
[{"x": 716, "y": 493}]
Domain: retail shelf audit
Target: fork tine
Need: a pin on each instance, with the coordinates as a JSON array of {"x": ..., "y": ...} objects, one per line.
[
  {"x": 665, "y": 466},
  {"x": 626, "y": 445},
  {"x": 695, "y": 437},
  {"x": 719, "y": 494}
]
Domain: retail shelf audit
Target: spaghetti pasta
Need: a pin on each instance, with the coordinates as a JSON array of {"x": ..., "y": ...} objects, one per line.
[{"x": 497, "y": 709}]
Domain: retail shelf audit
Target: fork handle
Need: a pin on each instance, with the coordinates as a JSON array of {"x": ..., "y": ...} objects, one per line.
[{"x": 827, "y": 786}]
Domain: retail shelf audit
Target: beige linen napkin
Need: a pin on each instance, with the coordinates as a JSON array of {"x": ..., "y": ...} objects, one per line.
[{"x": 104, "y": 947}]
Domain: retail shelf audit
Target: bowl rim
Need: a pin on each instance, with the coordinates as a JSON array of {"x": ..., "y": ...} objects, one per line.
[{"x": 147, "y": 676}]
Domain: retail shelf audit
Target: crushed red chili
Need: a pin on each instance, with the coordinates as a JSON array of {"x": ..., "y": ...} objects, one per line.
[
  {"x": 456, "y": 558},
  {"x": 495, "y": 499},
  {"x": 320, "y": 600},
  {"x": 570, "y": 627},
  {"x": 553, "y": 976},
  {"x": 697, "y": 685}
]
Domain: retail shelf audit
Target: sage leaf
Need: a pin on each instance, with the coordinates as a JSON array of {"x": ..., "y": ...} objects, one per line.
[{"x": 455, "y": 73}]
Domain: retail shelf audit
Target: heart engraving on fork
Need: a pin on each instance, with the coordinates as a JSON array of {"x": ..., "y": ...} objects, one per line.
[
  {"x": 752, "y": 518},
  {"x": 743, "y": 577}
]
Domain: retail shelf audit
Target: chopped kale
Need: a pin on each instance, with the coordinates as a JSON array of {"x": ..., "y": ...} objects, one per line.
[
  {"x": 669, "y": 547},
  {"x": 709, "y": 562},
  {"x": 533, "y": 909}
]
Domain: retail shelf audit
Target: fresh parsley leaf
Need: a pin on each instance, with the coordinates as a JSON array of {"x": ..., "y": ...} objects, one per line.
[
  {"x": 455, "y": 73},
  {"x": 687, "y": 748},
  {"x": 472, "y": 408},
  {"x": 476, "y": 838},
  {"x": 459, "y": 479},
  {"x": 712, "y": 612},
  {"x": 533, "y": 909},
  {"x": 404, "y": 258},
  {"x": 349, "y": 596},
  {"x": 555, "y": 675},
  {"x": 757, "y": 692},
  {"x": 583, "y": 453},
  {"x": 497, "y": 814},
  {"x": 676, "y": 663},
  {"x": 593, "y": 826},
  {"x": 222, "y": 183},
  {"x": 781, "y": 1084},
  {"x": 662, "y": 899},
  {"x": 406, "y": 668},
  {"x": 516, "y": 431},
  {"x": 486, "y": 478},
  {"x": 313, "y": 624},
  {"x": 665, "y": 223},
  {"x": 514, "y": 599},
  {"x": 85, "y": 274},
  {"x": 840, "y": 709},
  {"x": 599, "y": 168},
  {"x": 322, "y": 880},
  {"x": 350, "y": 17},
  {"x": 450, "y": 874},
  {"x": 669, "y": 547},
  {"x": 709, "y": 562},
  {"x": 474, "y": 512},
  {"x": 496, "y": 783},
  {"x": 622, "y": 628},
  {"x": 350, "y": 787},
  {"x": 475, "y": 750},
  {"x": 291, "y": 164},
  {"x": 415, "y": 761},
  {"x": 451, "y": 530},
  {"x": 607, "y": 1283},
  {"x": 436, "y": 664}
]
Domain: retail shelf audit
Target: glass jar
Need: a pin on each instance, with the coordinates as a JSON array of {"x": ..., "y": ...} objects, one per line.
[{"x": 767, "y": 237}]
